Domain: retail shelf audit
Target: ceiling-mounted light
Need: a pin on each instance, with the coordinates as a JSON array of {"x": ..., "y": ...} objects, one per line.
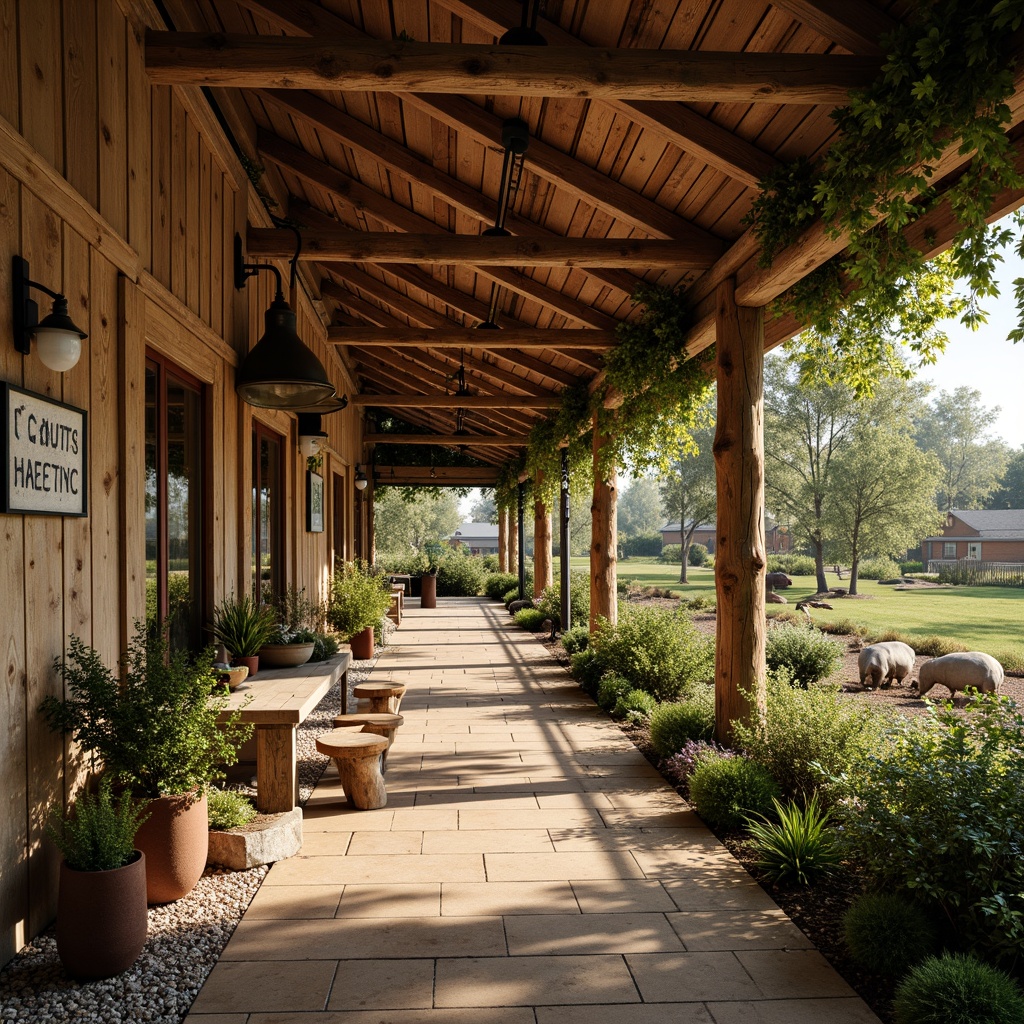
[
  {"x": 312, "y": 436},
  {"x": 360, "y": 480},
  {"x": 279, "y": 372},
  {"x": 58, "y": 340},
  {"x": 525, "y": 34}
]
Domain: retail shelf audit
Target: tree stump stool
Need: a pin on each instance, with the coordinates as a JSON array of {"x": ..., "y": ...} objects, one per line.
[
  {"x": 358, "y": 757},
  {"x": 378, "y": 725},
  {"x": 384, "y": 698}
]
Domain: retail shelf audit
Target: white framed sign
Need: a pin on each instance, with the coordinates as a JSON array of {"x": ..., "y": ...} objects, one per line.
[{"x": 45, "y": 464}]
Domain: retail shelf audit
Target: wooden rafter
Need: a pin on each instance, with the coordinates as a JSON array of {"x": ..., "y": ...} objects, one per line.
[
  {"x": 451, "y": 440},
  {"x": 435, "y": 476},
  {"x": 462, "y": 337},
  {"x": 685, "y": 76},
  {"x": 856, "y": 25},
  {"x": 395, "y": 401}
]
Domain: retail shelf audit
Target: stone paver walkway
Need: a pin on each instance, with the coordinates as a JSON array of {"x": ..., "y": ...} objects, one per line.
[{"x": 530, "y": 868}]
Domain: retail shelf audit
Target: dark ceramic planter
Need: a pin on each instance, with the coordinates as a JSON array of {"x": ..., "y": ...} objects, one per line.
[
  {"x": 101, "y": 919},
  {"x": 176, "y": 840},
  {"x": 251, "y": 664},
  {"x": 362, "y": 645},
  {"x": 428, "y": 591}
]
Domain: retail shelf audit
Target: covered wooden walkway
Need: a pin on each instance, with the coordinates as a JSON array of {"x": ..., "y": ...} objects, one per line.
[{"x": 530, "y": 868}]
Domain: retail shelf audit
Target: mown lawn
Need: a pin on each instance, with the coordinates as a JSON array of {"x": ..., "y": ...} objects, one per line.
[{"x": 984, "y": 618}]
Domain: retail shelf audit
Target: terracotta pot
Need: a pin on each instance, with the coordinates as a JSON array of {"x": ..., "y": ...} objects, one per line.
[
  {"x": 175, "y": 840},
  {"x": 251, "y": 664},
  {"x": 285, "y": 655},
  {"x": 101, "y": 919},
  {"x": 362, "y": 645},
  {"x": 428, "y": 591}
]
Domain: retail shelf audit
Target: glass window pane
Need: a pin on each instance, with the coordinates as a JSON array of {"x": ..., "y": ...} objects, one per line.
[{"x": 152, "y": 500}]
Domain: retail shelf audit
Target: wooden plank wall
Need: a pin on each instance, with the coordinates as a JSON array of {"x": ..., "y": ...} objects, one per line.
[{"x": 123, "y": 197}]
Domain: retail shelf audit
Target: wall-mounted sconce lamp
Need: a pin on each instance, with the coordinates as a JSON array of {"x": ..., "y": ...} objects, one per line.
[
  {"x": 312, "y": 436},
  {"x": 279, "y": 372},
  {"x": 58, "y": 340},
  {"x": 360, "y": 480}
]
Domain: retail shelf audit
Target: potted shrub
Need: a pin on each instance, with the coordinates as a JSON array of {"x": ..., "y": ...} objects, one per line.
[
  {"x": 290, "y": 643},
  {"x": 358, "y": 602},
  {"x": 243, "y": 627},
  {"x": 156, "y": 727},
  {"x": 101, "y": 905}
]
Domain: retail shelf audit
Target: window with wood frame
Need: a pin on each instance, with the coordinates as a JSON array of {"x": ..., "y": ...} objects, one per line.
[
  {"x": 267, "y": 513},
  {"x": 175, "y": 490}
]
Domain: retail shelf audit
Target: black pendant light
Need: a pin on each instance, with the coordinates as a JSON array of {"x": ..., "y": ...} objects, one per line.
[
  {"x": 525, "y": 34},
  {"x": 280, "y": 372}
]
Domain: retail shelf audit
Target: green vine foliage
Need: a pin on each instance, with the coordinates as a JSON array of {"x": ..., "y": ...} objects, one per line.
[{"x": 945, "y": 83}]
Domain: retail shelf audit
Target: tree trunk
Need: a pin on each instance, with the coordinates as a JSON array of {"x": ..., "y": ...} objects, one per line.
[
  {"x": 503, "y": 540},
  {"x": 603, "y": 541},
  {"x": 513, "y": 540},
  {"x": 542, "y": 572},
  {"x": 740, "y": 556},
  {"x": 819, "y": 565},
  {"x": 854, "y": 561},
  {"x": 684, "y": 559}
]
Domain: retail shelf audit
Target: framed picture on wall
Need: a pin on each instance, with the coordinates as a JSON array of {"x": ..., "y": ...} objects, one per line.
[{"x": 314, "y": 502}]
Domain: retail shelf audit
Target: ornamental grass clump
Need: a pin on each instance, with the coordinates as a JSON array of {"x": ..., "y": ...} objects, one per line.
[
  {"x": 806, "y": 654},
  {"x": 957, "y": 989},
  {"x": 727, "y": 791},
  {"x": 936, "y": 811},
  {"x": 676, "y": 723},
  {"x": 887, "y": 934},
  {"x": 796, "y": 849}
]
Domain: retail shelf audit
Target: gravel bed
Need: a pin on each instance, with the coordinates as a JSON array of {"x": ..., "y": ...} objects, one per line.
[{"x": 185, "y": 940}]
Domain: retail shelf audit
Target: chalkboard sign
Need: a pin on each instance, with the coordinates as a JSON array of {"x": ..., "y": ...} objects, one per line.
[{"x": 45, "y": 464}]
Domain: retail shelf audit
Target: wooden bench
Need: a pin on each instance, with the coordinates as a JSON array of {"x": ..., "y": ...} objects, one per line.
[
  {"x": 358, "y": 757},
  {"x": 385, "y": 725},
  {"x": 384, "y": 698},
  {"x": 395, "y": 609}
]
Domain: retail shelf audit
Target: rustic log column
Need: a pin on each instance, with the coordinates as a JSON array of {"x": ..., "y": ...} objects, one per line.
[
  {"x": 521, "y": 539},
  {"x": 564, "y": 554},
  {"x": 502, "y": 540},
  {"x": 603, "y": 539},
  {"x": 542, "y": 571},
  {"x": 513, "y": 541},
  {"x": 371, "y": 539},
  {"x": 740, "y": 553}
]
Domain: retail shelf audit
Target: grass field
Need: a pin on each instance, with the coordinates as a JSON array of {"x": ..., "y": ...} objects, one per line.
[{"x": 984, "y": 618}]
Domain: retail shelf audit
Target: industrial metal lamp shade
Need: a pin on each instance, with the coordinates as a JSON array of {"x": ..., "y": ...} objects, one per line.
[
  {"x": 58, "y": 340},
  {"x": 280, "y": 372}
]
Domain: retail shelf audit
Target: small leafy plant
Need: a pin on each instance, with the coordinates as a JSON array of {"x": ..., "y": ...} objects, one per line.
[
  {"x": 576, "y": 639},
  {"x": 634, "y": 706},
  {"x": 887, "y": 934},
  {"x": 100, "y": 834},
  {"x": 806, "y": 654},
  {"x": 610, "y": 689},
  {"x": 499, "y": 583},
  {"x": 229, "y": 809},
  {"x": 679, "y": 767},
  {"x": 796, "y": 849},
  {"x": 957, "y": 989},
  {"x": 674, "y": 724},
  {"x": 358, "y": 600},
  {"x": 726, "y": 791},
  {"x": 531, "y": 619}
]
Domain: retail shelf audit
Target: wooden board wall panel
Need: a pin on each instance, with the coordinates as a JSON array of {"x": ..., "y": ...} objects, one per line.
[
  {"x": 140, "y": 188},
  {"x": 41, "y": 245},
  {"x": 39, "y": 39},
  {"x": 206, "y": 201},
  {"x": 179, "y": 197},
  {"x": 193, "y": 200},
  {"x": 80, "y": 100},
  {"x": 13, "y": 711},
  {"x": 9, "y": 107},
  {"x": 221, "y": 468},
  {"x": 160, "y": 191},
  {"x": 104, "y": 472},
  {"x": 113, "y": 117}
]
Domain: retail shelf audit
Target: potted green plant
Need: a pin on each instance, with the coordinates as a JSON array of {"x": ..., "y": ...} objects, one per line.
[
  {"x": 159, "y": 730},
  {"x": 101, "y": 904},
  {"x": 243, "y": 626},
  {"x": 357, "y": 603},
  {"x": 289, "y": 643}
]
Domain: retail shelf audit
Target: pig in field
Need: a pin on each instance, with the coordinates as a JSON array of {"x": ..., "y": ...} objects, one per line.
[
  {"x": 882, "y": 663},
  {"x": 960, "y": 672}
]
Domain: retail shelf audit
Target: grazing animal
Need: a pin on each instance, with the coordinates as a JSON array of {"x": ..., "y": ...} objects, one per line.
[
  {"x": 881, "y": 664},
  {"x": 960, "y": 672}
]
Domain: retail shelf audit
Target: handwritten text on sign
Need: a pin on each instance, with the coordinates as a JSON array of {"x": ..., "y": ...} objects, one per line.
[{"x": 45, "y": 450}]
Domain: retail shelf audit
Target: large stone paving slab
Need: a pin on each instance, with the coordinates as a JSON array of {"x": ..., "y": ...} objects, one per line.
[{"x": 530, "y": 868}]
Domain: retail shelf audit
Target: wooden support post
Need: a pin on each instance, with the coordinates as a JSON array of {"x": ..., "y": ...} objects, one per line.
[
  {"x": 502, "y": 540},
  {"x": 277, "y": 778},
  {"x": 564, "y": 554},
  {"x": 740, "y": 554},
  {"x": 371, "y": 540},
  {"x": 603, "y": 540},
  {"x": 513, "y": 542},
  {"x": 542, "y": 572},
  {"x": 521, "y": 539}
]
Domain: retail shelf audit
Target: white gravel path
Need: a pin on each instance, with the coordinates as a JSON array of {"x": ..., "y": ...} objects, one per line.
[{"x": 185, "y": 938}]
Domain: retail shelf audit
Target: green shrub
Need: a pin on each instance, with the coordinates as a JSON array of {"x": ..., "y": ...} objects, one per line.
[
  {"x": 877, "y": 569},
  {"x": 701, "y": 603},
  {"x": 324, "y": 646},
  {"x": 491, "y": 563},
  {"x": 659, "y": 651},
  {"x": 792, "y": 565},
  {"x": 610, "y": 689},
  {"x": 937, "y": 646},
  {"x": 697, "y": 555},
  {"x": 358, "y": 600},
  {"x": 587, "y": 669},
  {"x": 808, "y": 737},
  {"x": 579, "y": 599},
  {"x": 937, "y": 811},
  {"x": 671, "y": 554},
  {"x": 1012, "y": 661},
  {"x": 642, "y": 545},
  {"x": 100, "y": 835},
  {"x": 891, "y": 634},
  {"x": 576, "y": 639},
  {"x": 531, "y": 619},
  {"x": 498, "y": 584},
  {"x": 957, "y": 989},
  {"x": 841, "y": 627},
  {"x": 806, "y": 654},
  {"x": 679, "y": 767},
  {"x": 674, "y": 724},
  {"x": 229, "y": 809},
  {"x": 798, "y": 848},
  {"x": 634, "y": 706},
  {"x": 887, "y": 934},
  {"x": 726, "y": 791},
  {"x": 460, "y": 575},
  {"x": 776, "y": 615},
  {"x": 510, "y": 595},
  {"x": 413, "y": 563},
  {"x": 906, "y": 567}
]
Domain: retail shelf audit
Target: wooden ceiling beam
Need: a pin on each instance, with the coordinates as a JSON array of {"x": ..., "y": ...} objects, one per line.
[
  {"x": 361, "y": 307},
  {"x": 435, "y": 476},
  {"x": 577, "y": 179},
  {"x": 463, "y": 337},
  {"x": 856, "y": 25},
  {"x": 394, "y": 66},
  {"x": 397, "y": 401},
  {"x": 419, "y": 314},
  {"x": 681, "y": 126},
  {"x": 451, "y": 440},
  {"x": 349, "y": 246}
]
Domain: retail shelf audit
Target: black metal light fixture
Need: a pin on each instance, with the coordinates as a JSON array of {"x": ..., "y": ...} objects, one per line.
[
  {"x": 525, "y": 34},
  {"x": 58, "y": 340},
  {"x": 280, "y": 372},
  {"x": 361, "y": 482},
  {"x": 312, "y": 436}
]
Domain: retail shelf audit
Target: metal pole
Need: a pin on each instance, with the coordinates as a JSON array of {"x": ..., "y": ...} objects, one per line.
[
  {"x": 563, "y": 541},
  {"x": 522, "y": 543}
]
